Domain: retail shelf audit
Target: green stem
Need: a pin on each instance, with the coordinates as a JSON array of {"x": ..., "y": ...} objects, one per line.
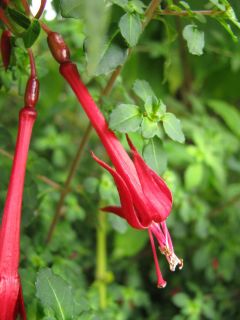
[{"x": 101, "y": 263}]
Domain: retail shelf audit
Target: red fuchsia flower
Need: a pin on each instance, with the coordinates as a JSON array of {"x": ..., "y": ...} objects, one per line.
[
  {"x": 146, "y": 201},
  {"x": 11, "y": 298}
]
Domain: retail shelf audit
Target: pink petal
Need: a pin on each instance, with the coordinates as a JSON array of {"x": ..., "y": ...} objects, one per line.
[
  {"x": 127, "y": 210},
  {"x": 154, "y": 188}
]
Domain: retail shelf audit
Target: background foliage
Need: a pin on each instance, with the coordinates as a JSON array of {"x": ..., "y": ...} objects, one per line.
[{"x": 185, "y": 66}]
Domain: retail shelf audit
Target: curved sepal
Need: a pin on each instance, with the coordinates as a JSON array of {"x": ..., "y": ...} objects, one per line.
[{"x": 127, "y": 210}]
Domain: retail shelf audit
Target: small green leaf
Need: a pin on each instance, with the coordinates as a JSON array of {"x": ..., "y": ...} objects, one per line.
[
  {"x": 19, "y": 18},
  {"x": 154, "y": 155},
  {"x": 112, "y": 58},
  {"x": 125, "y": 118},
  {"x": 131, "y": 27},
  {"x": 172, "y": 127},
  {"x": 193, "y": 176},
  {"x": 229, "y": 114},
  {"x": 55, "y": 293},
  {"x": 149, "y": 128},
  {"x": 31, "y": 34},
  {"x": 195, "y": 39},
  {"x": 143, "y": 89}
]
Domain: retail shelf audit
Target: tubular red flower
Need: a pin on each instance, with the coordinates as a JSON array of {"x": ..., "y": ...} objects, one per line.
[
  {"x": 11, "y": 298},
  {"x": 146, "y": 201},
  {"x": 6, "y": 48}
]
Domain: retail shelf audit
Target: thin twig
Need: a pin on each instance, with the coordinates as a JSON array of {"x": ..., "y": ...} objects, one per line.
[
  {"x": 41, "y": 9},
  {"x": 5, "y": 20},
  {"x": 105, "y": 92},
  {"x": 185, "y": 13}
]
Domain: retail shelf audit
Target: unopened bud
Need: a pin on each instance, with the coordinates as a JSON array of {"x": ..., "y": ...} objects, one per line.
[
  {"x": 58, "y": 47},
  {"x": 32, "y": 92}
]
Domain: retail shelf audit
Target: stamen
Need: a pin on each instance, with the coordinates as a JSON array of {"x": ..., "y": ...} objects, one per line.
[
  {"x": 172, "y": 259},
  {"x": 161, "y": 283}
]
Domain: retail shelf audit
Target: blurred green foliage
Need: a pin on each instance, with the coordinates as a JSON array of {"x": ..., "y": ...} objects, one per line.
[{"x": 181, "y": 66}]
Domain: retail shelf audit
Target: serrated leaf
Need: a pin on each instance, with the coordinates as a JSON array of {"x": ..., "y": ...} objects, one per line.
[
  {"x": 55, "y": 293},
  {"x": 131, "y": 28},
  {"x": 228, "y": 113},
  {"x": 125, "y": 118},
  {"x": 195, "y": 39},
  {"x": 193, "y": 176},
  {"x": 149, "y": 128},
  {"x": 112, "y": 58},
  {"x": 31, "y": 34},
  {"x": 19, "y": 18},
  {"x": 143, "y": 89},
  {"x": 154, "y": 155},
  {"x": 172, "y": 127}
]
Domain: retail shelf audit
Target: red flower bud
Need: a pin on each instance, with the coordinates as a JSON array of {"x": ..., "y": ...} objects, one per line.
[
  {"x": 6, "y": 48},
  {"x": 32, "y": 92},
  {"x": 58, "y": 47}
]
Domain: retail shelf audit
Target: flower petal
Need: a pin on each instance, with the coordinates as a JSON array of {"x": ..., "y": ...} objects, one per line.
[
  {"x": 127, "y": 210},
  {"x": 154, "y": 188}
]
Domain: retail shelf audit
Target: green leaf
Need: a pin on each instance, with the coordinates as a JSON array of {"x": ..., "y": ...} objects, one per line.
[
  {"x": 228, "y": 113},
  {"x": 193, "y": 176},
  {"x": 143, "y": 89},
  {"x": 19, "y": 18},
  {"x": 149, "y": 128},
  {"x": 172, "y": 127},
  {"x": 112, "y": 58},
  {"x": 154, "y": 155},
  {"x": 5, "y": 138},
  {"x": 125, "y": 118},
  {"x": 195, "y": 39},
  {"x": 55, "y": 293},
  {"x": 31, "y": 34},
  {"x": 131, "y": 27}
]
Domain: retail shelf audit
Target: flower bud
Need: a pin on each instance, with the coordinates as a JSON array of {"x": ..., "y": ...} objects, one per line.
[
  {"x": 32, "y": 92},
  {"x": 58, "y": 47}
]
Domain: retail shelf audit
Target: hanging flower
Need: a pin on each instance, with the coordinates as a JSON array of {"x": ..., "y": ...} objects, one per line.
[{"x": 146, "y": 201}]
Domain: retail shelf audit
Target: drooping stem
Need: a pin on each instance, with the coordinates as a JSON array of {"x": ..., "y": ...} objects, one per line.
[
  {"x": 41, "y": 9},
  {"x": 101, "y": 261}
]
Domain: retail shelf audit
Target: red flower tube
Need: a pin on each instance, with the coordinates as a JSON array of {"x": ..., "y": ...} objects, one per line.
[
  {"x": 11, "y": 299},
  {"x": 146, "y": 201}
]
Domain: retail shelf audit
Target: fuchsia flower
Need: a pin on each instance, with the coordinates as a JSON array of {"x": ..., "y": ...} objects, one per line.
[
  {"x": 146, "y": 201},
  {"x": 11, "y": 299}
]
